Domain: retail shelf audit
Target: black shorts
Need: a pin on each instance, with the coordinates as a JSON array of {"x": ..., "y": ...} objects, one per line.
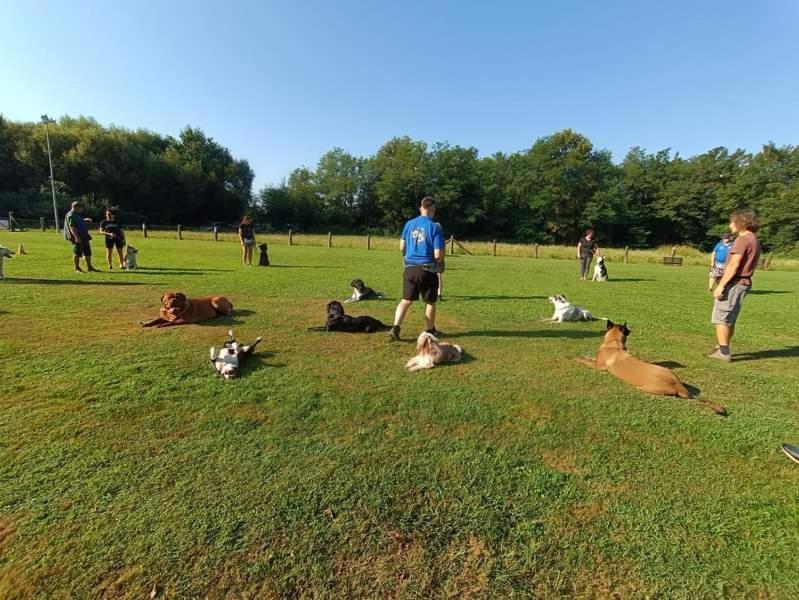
[
  {"x": 110, "y": 242},
  {"x": 82, "y": 248},
  {"x": 417, "y": 281}
]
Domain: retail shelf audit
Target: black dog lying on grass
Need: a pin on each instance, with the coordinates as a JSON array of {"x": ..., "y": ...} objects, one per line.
[{"x": 338, "y": 320}]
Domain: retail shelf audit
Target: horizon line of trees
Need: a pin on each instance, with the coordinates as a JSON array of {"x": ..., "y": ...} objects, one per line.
[{"x": 548, "y": 193}]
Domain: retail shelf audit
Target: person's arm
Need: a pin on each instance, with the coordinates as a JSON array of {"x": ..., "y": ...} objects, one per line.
[
  {"x": 596, "y": 248},
  {"x": 402, "y": 248},
  {"x": 438, "y": 253},
  {"x": 733, "y": 262},
  {"x": 241, "y": 236},
  {"x": 72, "y": 231},
  {"x": 578, "y": 248}
]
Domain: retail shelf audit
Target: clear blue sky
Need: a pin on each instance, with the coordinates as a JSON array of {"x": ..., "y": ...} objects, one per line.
[{"x": 279, "y": 83}]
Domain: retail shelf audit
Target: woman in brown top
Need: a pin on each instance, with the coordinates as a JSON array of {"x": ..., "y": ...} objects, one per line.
[{"x": 737, "y": 280}]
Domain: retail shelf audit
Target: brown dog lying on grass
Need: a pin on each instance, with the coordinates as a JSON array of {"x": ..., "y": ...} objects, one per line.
[
  {"x": 177, "y": 309},
  {"x": 653, "y": 379}
]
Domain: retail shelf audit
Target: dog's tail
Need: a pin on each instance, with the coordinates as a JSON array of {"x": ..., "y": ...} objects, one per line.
[
  {"x": 593, "y": 318},
  {"x": 323, "y": 328},
  {"x": 683, "y": 392}
]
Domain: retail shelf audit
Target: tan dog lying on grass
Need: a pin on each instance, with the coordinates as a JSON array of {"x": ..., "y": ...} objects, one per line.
[
  {"x": 653, "y": 379},
  {"x": 430, "y": 352},
  {"x": 177, "y": 309}
]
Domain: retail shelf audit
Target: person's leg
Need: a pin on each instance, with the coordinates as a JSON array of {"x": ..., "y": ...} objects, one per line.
[
  {"x": 249, "y": 253},
  {"x": 76, "y": 260},
  {"x": 109, "y": 250},
  {"x": 430, "y": 317},
  {"x": 440, "y": 285},
  {"x": 121, "y": 257},
  {"x": 244, "y": 254},
  {"x": 401, "y": 311}
]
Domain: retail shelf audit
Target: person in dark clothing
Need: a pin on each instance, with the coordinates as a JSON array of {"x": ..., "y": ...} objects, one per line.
[
  {"x": 247, "y": 237},
  {"x": 114, "y": 238},
  {"x": 586, "y": 248}
]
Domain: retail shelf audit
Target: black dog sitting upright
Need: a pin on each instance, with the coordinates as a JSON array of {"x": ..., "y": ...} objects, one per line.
[
  {"x": 263, "y": 260},
  {"x": 360, "y": 291},
  {"x": 338, "y": 320}
]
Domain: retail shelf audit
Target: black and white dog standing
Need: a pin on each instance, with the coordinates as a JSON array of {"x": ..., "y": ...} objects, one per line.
[
  {"x": 230, "y": 357},
  {"x": 361, "y": 292},
  {"x": 600, "y": 270}
]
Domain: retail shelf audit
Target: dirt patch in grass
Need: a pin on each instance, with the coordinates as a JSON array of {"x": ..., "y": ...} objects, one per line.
[
  {"x": 564, "y": 462},
  {"x": 119, "y": 584},
  {"x": 6, "y": 533}
]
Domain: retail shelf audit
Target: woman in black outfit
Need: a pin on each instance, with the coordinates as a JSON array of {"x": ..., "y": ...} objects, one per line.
[
  {"x": 586, "y": 248},
  {"x": 114, "y": 238},
  {"x": 247, "y": 237}
]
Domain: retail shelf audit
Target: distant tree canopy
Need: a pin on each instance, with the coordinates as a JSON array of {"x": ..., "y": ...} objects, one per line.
[
  {"x": 548, "y": 193},
  {"x": 150, "y": 177}
]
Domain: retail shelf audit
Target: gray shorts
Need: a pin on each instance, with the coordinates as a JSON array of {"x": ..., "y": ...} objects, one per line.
[{"x": 725, "y": 311}]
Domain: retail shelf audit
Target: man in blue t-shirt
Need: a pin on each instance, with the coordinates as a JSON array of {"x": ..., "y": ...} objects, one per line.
[
  {"x": 718, "y": 259},
  {"x": 422, "y": 247}
]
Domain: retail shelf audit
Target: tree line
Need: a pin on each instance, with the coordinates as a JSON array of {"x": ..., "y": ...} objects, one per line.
[
  {"x": 548, "y": 193},
  {"x": 190, "y": 179}
]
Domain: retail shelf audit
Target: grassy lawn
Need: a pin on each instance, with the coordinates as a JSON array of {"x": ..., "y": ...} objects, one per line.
[{"x": 328, "y": 471}]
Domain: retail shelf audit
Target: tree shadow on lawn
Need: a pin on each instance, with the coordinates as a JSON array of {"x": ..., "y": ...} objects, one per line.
[
  {"x": 764, "y": 292},
  {"x": 182, "y": 269},
  {"x": 37, "y": 281},
  {"x": 789, "y": 352},
  {"x": 625, "y": 279},
  {"x": 566, "y": 333},
  {"x": 488, "y": 297}
]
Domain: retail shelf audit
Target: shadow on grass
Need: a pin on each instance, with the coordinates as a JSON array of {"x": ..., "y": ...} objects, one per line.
[
  {"x": 669, "y": 364},
  {"x": 625, "y": 279},
  {"x": 37, "y": 281},
  {"x": 302, "y": 267},
  {"x": 765, "y": 292},
  {"x": 183, "y": 269},
  {"x": 554, "y": 333},
  {"x": 257, "y": 361},
  {"x": 489, "y": 297},
  {"x": 789, "y": 352}
]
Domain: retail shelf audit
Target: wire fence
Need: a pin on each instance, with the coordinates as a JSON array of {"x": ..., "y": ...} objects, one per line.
[{"x": 227, "y": 233}]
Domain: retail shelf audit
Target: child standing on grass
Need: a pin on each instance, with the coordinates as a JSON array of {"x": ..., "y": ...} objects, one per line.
[
  {"x": 736, "y": 281},
  {"x": 717, "y": 260},
  {"x": 114, "y": 238}
]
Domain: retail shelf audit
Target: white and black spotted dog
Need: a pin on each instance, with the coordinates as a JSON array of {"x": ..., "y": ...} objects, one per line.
[
  {"x": 361, "y": 292},
  {"x": 4, "y": 254},
  {"x": 600, "y": 270},
  {"x": 228, "y": 361},
  {"x": 130, "y": 258},
  {"x": 566, "y": 311}
]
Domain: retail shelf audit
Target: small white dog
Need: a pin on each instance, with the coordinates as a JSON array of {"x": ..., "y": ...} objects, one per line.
[
  {"x": 130, "y": 258},
  {"x": 4, "y": 254},
  {"x": 227, "y": 362},
  {"x": 430, "y": 352},
  {"x": 600, "y": 270},
  {"x": 565, "y": 311}
]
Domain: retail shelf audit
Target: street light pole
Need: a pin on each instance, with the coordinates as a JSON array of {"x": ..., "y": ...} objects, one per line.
[{"x": 47, "y": 120}]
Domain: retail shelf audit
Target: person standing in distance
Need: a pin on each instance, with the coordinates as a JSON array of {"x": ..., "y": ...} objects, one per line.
[
  {"x": 717, "y": 260},
  {"x": 76, "y": 231},
  {"x": 737, "y": 280},
  {"x": 586, "y": 248},
  {"x": 114, "y": 238},
  {"x": 422, "y": 247}
]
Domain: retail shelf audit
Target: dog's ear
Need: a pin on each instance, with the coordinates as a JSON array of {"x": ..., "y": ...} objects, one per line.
[
  {"x": 164, "y": 297},
  {"x": 609, "y": 325},
  {"x": 625, "y": 329}
]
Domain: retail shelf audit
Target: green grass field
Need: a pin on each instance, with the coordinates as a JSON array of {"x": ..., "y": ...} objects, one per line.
[{"x": 329, "y": 471}]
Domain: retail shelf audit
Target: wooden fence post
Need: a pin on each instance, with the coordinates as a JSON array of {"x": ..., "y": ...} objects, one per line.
[
  {"x": 368, "y": 241},
  {"x": 180, "y": 232},
  {"x": 768, "y": 260},
  {"x": 494, "y": 250},
  {"x": 452, "y": 245},
  {"x": 626, "y": 254},
  {"x": 216, "y": 233},
  {"x": 41, "y": 222},
  {"x": 291, "y": 235},
  {"x": 329, "y": 239},
  {"x": 10, "y": 221},
  {"x": 535, "y": 250},
  {"x": 144, "y": 229},
  {"x": 673, "y": 251}
]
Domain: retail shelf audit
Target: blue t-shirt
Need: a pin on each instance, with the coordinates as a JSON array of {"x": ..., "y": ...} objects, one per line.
[
  {"x": 720, "y": 252},
  {"x": 422, "y": 236}
]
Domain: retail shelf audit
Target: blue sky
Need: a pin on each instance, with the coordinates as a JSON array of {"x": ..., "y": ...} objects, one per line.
[{"x": 281, "y": 83}]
